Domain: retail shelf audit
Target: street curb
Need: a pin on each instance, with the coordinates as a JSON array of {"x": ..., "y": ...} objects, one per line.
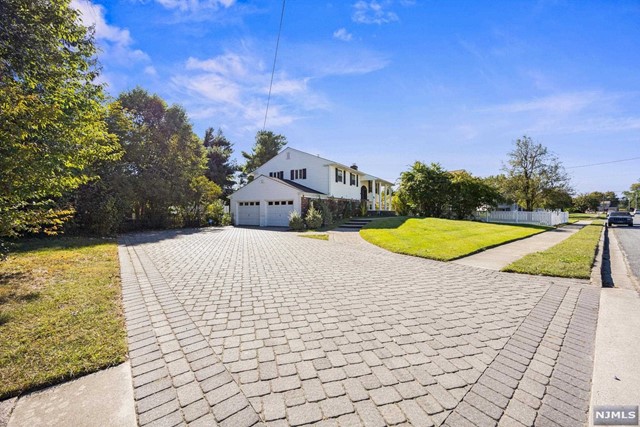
[
  {"x": 596, "y": 270},
  {"x": 634, "y": 281}
]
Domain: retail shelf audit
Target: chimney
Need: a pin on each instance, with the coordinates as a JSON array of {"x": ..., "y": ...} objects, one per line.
[{"x": 354, "y": 166}]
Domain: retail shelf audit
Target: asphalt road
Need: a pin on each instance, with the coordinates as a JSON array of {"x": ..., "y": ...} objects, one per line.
[{"x": 629, "y": 238}]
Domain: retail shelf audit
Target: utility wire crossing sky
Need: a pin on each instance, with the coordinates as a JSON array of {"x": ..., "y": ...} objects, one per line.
[{"x": 384, "y": 83}]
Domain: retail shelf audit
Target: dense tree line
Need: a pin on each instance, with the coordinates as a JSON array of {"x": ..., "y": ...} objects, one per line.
[
  {"x": 159, "y": 181},
  {"x": 429, "y": 190},
  {"x": 52, "y": 114},
  {"x": 69, "y": 156},
  {"x": 533, "y": 178}
]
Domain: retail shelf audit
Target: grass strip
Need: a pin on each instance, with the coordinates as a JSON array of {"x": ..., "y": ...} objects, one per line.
[
  {"x": 60, "y": 312},
  {"x": 572, "y": 257},
  {"x": 315, "y": 236},
  {"x": 442, "y": 239}
]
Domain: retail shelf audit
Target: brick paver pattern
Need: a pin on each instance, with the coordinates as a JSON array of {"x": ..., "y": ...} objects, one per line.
[{"x": 240, "y": 327}]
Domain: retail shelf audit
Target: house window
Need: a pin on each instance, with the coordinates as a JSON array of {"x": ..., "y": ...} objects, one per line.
[
  {"x": 339, "y": 175},
  {"x": 353, "y": 179},
  {"x": 279, "y": 175},
  {"x": 298, "y": 174}
]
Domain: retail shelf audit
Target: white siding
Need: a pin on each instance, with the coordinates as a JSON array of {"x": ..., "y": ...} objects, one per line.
[
  {"x": 317, "y": 171},
  {"x": 344, "y": 189},
  {"x": 264, "y": 190}
]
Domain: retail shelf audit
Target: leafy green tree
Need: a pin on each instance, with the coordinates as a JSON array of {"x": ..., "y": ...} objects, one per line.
[
  {"x": 632, "y": 195},
  {"x": 266, "y": 147},
  {"x": 586, "y": 202},
  {"x": 533, "y": 174},
  {"x": 557, "y": 199},
  {"x": 202, "y": 194},
  {"x": 424, "y": 190},
  {"x": 52, "y": 113},
  {"x": 467, "y": 193},
  {"x": 162, "y": 157},
  {"x": 220, "y": 167},
  {"x": 159, "y": 182},
  {"x": 612, "y": 197}
]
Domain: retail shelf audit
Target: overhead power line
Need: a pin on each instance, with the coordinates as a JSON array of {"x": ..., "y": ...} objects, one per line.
[
  {"x": 604, "y": 163},
  {"x": 273, "y": 69}
]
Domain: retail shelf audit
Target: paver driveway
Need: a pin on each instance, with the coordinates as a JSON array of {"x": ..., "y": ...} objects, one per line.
[{"x": 243, "y": 326}]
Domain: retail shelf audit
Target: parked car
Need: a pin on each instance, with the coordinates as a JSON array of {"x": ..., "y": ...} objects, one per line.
[{"x": 619, "y": 218}]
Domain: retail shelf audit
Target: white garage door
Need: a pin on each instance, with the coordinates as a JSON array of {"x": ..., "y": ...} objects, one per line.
[
  {"x": 278, "y": 213},
  {"x": 248, "y": 213}
]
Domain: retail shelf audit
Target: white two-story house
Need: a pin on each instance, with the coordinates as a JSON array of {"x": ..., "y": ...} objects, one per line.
[{"x": 279, "y": 186}]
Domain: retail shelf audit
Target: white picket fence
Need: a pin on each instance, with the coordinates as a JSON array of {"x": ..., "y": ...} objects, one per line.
[{"x": 548, "y": 218}]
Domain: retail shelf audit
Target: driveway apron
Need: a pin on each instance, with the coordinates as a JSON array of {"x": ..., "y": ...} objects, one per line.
[{"x": 238, "y": 327}]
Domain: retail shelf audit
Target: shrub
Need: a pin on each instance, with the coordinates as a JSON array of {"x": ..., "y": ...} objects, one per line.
[
  {"x": 363, "y": 208},
  {"x": 226, "y": 219},
  {"x": 327, "y": 216},
  {"x": 295, "y": 221},
  {"x": 214, "y": 213},
  {"x": 313, "y": 218}
]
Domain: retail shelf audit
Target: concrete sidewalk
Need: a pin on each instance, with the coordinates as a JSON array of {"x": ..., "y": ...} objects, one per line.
[
  {"x": 616, "y": 368},
  {"x": 102, "y": 399},
  {"x": 499, "y": 257}
]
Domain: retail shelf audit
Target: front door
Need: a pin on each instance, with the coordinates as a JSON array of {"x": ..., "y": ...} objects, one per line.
[{"x": 363, "y": 192}]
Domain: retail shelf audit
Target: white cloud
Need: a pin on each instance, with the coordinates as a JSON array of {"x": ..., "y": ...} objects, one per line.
[
  {"x": 229, "y": 65},
  {"x": 289, "y": 86},
  {"x": 335, "y": 59},
  {"x": 150, "y": 70},
  {"x": 211, "y": 87},
  {"x": 235, "y": 86},
  {"x": 93, "y": 14},
  {"x": 342, "y": 34},
  {"x": 115, "y": 41},
  {"x": 373, "y": 12},
  {"x": 554, "y": 104},
  {"x": 196, "y": 5}
]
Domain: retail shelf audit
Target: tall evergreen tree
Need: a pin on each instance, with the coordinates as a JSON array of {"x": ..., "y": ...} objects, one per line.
[
  {"x": 266, "y": 147},
  {"x": 220, "y": 167}
]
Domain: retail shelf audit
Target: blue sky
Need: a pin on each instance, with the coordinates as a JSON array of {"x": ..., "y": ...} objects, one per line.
[{"x": 385, "y": 83}]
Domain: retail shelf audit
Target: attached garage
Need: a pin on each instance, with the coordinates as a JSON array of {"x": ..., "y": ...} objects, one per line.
[
  {"x": 248, "y": 213},
  {"x": 267, "y": 201},
  {"x": 278, "y": 213}
]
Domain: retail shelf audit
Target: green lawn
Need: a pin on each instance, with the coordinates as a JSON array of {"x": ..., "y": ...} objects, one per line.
[
  {"x": 441, "y": 239},
  {"x": 60, "y": 312},
  {"x": 571, "y": 258},
  {"x": 575, "y": 217}
]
